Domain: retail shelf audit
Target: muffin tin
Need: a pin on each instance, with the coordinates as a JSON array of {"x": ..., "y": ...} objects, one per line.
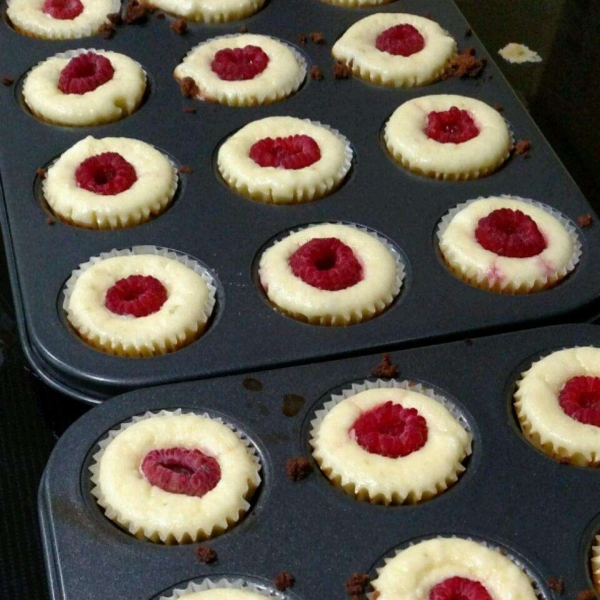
[
  {"x": 542, "y": 512},
  {"x": 227, "y": 233}
]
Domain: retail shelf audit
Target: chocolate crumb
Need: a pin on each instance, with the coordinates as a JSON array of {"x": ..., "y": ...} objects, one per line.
[
  {"x": 114, "y": 18},
  {"x": 356, "y": 584},
  {"x": 556, "y": 584},
  {"x": 190, "y": 110},
  {"x": 7, "y": 81},
  {"x": 497, "y": 106},
  {"x": 586, "y": 595},
  {"x": 385, "y": 367},
  {"x": 107, "y": 31},
  {"x": 298, "y": 468},
  {"x": 465, "y": 64},
  {"x": 50, "y": 221},
  {"x": 205, "y": 554},
  {"x": 410, "y": 383},
  {"x": 585, "y": 220},
  {"x": 375, "y": 595},
  {"x": 341, "y": 71},
  {"x": 188, "y": 87},
  {"x": 160, "y": 16},
  {"x": 186, "y": 169},
  {"x": 252, "y": 384},
  {"x": 302, "y": 39},
  {"x": 135, "y": 13},
  {"x": 283, "y": 581},
  {"x": 316, "y": 73},
  {"x": 292, "y": 404},
  {"x": 428, "y": 15},
  {"x": 317, "y": 37},
  {"x": 468, "y": 32},
  {"x": 522, "y": 148},
  {"x": 564, "y": 460},
  {"x": 41, "y": 173},
  {"x": 179, "y": 26},
  {"x": 243, "y": 29}
]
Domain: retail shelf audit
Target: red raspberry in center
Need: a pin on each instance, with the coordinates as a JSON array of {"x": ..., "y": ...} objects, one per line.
[
  {"x": 106, "y": 174},
  {"x": 511, "y": 233},
  {"x": 62, "y": 9},
  {"x": 292, "y": 152},
  {"x": 84, "y": 73},
  {"x": 239, "y": 64},
  {"x": 400, "y": 40},
  {"x": 327, "y": 264},
  {"x": 452, "y": 126},
  {"x": 136, "y": 296},
  {"x": 459, "y": 588},
  {"x": 580, "y": 399},
  {"x": 390, "y": 430},
  {"x": 181, "y": 471}
]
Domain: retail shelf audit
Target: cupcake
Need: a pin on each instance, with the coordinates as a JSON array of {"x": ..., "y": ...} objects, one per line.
[
  {"x": 557, "y": 403},
  {"x": 222, "y": 589},
  {"x": 396, "y": 50},
  {"x": 84, "y": 87},
  {"x": 241, "y": 70},
  {"x": 508, "y": 245},
  {"x": 331, "y": 274},
  {"x": 596, "y": 563},
  {"x": 207, "y": 11},
  {"x": 110, "y": 183},
  {"x": 60, "y": 19},
  {"x": 140, "y": 302},
  {"x": 448, "y": 137},
  {"x": 284, "y": 160},
  {"x": 357, "y": 3},
  {"x": 390, "y": 442},
  {"x": 175, "y": 478},
  {"x": 442, "y": 568}
]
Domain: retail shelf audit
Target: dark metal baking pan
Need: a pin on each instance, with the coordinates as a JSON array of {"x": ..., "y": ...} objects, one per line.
[
  {"x": 511, "y": 494},
  {"x": 226, "y": 232}
]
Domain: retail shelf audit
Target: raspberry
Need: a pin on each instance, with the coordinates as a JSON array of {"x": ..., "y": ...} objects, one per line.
[
  {"x": 136, "y": 296},
  {"x": 459, "y": 588},
  {"x": 327, "y": 264},
  {"x": 292, "y": 152},
  {"x": 452, "y": 126},
  {"x": 239, "y": 64},
  {"x": 580, "y": 399},
  {"x": 106, "y": 174},
  {"x": 62, "y": 9},
  {"x": 84, "y": 73},
  {"x": 181, "y": 471},
  {"x": 390, "y": 430},
  {"x": 511, "y": 233},
  {"x": 400, "y": 40}
]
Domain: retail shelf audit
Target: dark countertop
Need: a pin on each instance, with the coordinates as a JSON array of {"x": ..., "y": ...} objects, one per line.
[{"x": 562, "y": 94}]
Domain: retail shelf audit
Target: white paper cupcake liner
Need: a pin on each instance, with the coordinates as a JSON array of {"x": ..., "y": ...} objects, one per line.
[
  {"x": 94, "y": 468},
  {"x": 400, "y": 266},
  {"x": 377, "y": 494},
  {"x": 595, "y": 563},
  {"x": 538, "y": 439},
  {"x": 300, "y": 194},
  {"x": 81, "y": 31},
  {"x": 184, "y": 259},
  {"x": 117, "y": 222},
  {"x": 568, "y": 225},
  {"x": 533, "y": 577},
  {"x": 227, "y": 583},
  {"x": 267, "y": 98}
]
